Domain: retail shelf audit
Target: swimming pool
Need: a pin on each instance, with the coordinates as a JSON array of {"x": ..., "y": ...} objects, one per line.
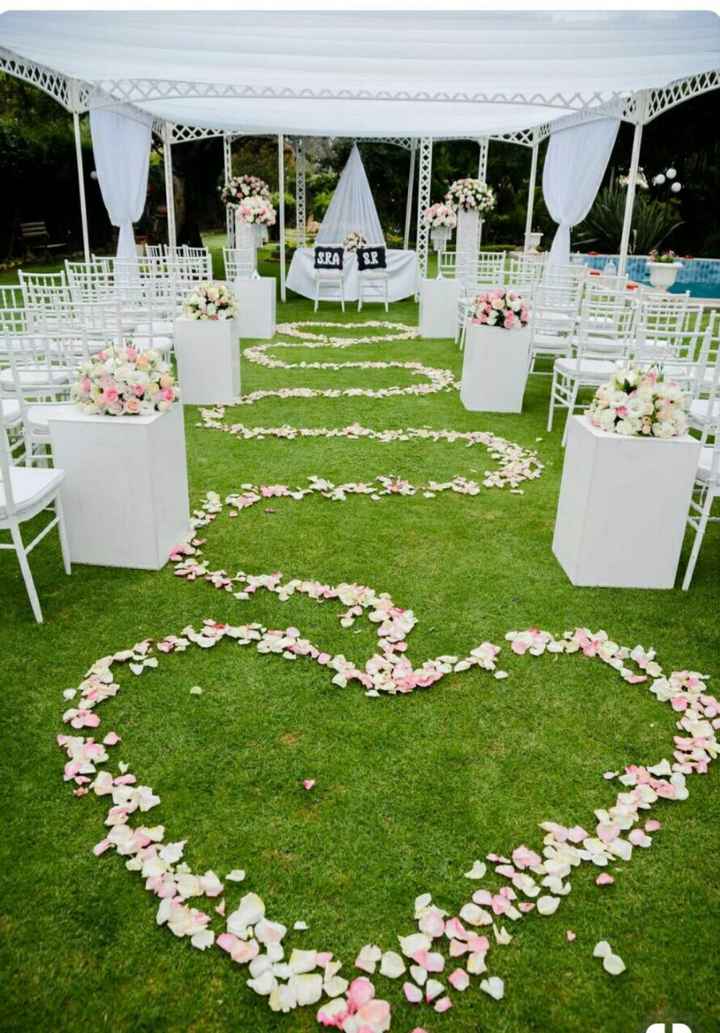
[{"x": 700, "y": 276}]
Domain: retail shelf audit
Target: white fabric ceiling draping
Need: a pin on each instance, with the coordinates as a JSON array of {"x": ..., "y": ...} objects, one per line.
[
  {"x": 352, "y": 207},
  {"x": 575, "y": 164},
  {"x": 352, "y": 73},
  {"x": 121, "y": 148}
]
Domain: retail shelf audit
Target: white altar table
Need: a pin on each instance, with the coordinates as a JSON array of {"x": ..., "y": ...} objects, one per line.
[{"x": 402, "y": 280}]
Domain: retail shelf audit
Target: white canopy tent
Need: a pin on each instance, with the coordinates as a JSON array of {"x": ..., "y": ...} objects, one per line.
[{"x": 417, "y": 76}]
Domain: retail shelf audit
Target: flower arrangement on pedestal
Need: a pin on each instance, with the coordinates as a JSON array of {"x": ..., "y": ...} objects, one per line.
[
  {"x": 501, "y": 308},
  {"x": 354, "y": 240},
  {"x": 210, "y": 301},
  {"x": 440, "y": 216},
  {"x": 665, "y": 258},
  {"x": 470, "y": 195},
  {"x": 238, "y": 188},
  {"x": 639, "y": 402},
  {"x": 122, "y": 381},
  {"x": 256, "y": 211}
]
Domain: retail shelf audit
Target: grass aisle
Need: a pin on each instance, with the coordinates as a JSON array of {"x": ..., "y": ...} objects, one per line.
[{"x": 410, "y": 790}]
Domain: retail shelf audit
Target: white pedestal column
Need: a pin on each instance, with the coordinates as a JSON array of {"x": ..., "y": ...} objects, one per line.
[
  {"x": 125, "y": 492},
  {"x": 256, "y": 307},
  {"x": 438, "y": 307},
  {"x": 246, "y": 240},
  {"x": 466, "y": 246},
  {"x": 623, "y": 507},
  {"x": 495, "y": 368},
  {"x": 208, "y": 360}
]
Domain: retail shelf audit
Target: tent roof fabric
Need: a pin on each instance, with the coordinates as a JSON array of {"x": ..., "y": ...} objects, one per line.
[{"x": 367, "y": 74}]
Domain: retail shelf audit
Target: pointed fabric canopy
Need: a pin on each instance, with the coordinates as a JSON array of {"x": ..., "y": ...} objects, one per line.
[{"x": 352, "y": 207}]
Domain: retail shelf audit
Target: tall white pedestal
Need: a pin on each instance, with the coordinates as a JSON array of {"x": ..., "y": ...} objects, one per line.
[
  {"x": 623, "y": 507},
  {"x": 125, "y": 492},
  {"x": 495, "y": 368},
  {"x": 255, "y": 300},
  {"x": 438, "y": 307},
  {"x": 208, "y": 360},
  {"x": 467, "y": 245}
]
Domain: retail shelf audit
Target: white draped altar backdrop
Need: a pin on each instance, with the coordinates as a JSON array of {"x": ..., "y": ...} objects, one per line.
[{"x": 352, "y": 208}]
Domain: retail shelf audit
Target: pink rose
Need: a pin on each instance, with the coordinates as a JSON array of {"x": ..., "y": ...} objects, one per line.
[
  {"x": 509, "y": 321},
  {"x": 132, "y": 406},
  {"x": 167, "y": 394},
  {"x": 86, "y": 385},
  {"x": 132, "y": 353},
  {"x": 110, "y": 394},
  {"x": 139, "y": 390}
]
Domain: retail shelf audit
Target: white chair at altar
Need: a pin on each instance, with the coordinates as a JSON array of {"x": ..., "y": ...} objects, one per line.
[
  {"x": 352, "y": 210},
  {"x": 372, "y": 275},
  {"x": 328, "y": 268}
]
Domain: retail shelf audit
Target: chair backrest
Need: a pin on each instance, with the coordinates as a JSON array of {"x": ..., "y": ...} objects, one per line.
[
  {"x": 154, "y": 250},
  {"x": 372, "y": 258},
  {"x": 607, "y": 324},
  {"x": 239, "y": 263},
  {"x": 41, "y": 288},
  {"x": 7, "y": 505},
  {"x": 328, "y": 258}
]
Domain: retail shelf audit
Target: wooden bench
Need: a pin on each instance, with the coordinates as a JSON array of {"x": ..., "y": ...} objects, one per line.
[{"x": 35, "y": 235}]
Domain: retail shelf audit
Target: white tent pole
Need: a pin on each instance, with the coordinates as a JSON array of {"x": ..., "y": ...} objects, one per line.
[
  {"x": 227, "y": 173},
  {"x": 423, "y": 202},
  {"x": 81, "y": 186},
  {"x": 300, "y": 192},
  {"x": 632, "y": 181},
  {"x": 408, "y": 202},
  {"x": 531, "y": 189},
  {"x": 169, "y": 185},
  {"x": 281, "y": 191}
]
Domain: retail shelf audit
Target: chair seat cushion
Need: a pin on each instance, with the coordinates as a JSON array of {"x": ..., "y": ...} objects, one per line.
[
  {"x": 33, "y": 378},
  {"x": 10, "y": 409},
  {"x": 29, "y": 485},
  {"x": 705, "y": 470},
  {"x": 586, "y": 367},
  {"x": 37, "y": 416},
  {"x": 702, "y": 411}
]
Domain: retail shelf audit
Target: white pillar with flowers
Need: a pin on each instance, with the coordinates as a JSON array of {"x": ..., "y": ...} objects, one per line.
[
  {"x": 496, "y": 354},
  {"x": 470, "y": 199}
]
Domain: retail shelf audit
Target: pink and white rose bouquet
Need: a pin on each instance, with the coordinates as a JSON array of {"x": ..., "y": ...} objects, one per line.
[
  {"x": 238, "y": 188},
  {"x": 440, "y": 216},
  {"x": 354, "y": 240},
  {"x": 641, "y": 403},
  {"x": 123, "y": 381},
  {"x": 256, "y": 211},
  {"x": 210, "y": 301},
  {"x": 472, "y": 195},
  {"x": 500, "y": 307}
]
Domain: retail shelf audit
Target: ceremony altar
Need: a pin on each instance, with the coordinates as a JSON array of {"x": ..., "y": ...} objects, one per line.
[{"x": 402, "y": 269}]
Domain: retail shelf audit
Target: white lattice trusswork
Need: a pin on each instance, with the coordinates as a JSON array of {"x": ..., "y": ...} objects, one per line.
[
  {"x": 424, "y": 184},
  {"x": 483, "y": 158},
  {"x": 186, "y": 134},
  {"x": 678, "y": 92},
  {"x": 56, "y": 85},
  {"x": 227, "y": 172},
  {"x": 300, "y": 192}
]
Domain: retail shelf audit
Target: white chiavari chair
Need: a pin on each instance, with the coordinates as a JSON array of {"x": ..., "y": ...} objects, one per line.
[
  {"x": 604, "y": 339},
  {"x": 155, "y": 250},
  {"x": 554, "y": 315},
  {"x": 24, "y": 494},
  {"x": 239, "y": 264},
  {"x": 488, "y": 272}
]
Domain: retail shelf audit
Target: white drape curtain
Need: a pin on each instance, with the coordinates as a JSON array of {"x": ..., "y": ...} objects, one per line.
[
  {"x": 352, "y": 207},
  {"x": 121, "y": 147},
  {"x": 574, "y": 168}
]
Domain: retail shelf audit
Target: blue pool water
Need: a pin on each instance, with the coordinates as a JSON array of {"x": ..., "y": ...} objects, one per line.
[
  {"x": 697, "y": 290},
  {"x": 700, "y": 276}
]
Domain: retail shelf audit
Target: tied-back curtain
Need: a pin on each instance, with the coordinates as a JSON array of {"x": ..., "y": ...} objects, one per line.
[
  {"x": 121, "y": 146},
  {"x": 574, "y": 168},
  {"x": 352, "y": 207}
]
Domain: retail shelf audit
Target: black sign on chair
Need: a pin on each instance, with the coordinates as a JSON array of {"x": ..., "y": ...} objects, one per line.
[
  {"x": 328, "y": 258},
  {"x": 369, "y": 258}
]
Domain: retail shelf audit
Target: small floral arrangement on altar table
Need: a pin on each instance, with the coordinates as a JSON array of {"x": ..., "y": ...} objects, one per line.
[
  {"x": 122, "y": 381},
  {"x": 640, "y": 403},
  {"x": 471, "y": 195},
  {"x": 354, "y": 240},
  {"x": 210, "y": 301},
  {"x": 500, "y": 307},
  {"x": 666, "y": 258},
  {"x": 439, "y": 216},
  {"x": 240, "y": 187},
  {"x": 256, "y": 211}
]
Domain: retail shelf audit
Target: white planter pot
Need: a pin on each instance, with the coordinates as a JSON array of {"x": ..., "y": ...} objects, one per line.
[
  {"x": 246, "y": 239},
  {"x": 125, "y": 491},
  {"x": 495, "y": 368},
  {"x": 623, "y": 507},
  {"x": 469, "y": 225},
  {"x": 663, "y": 274},
  {"x": 255, "y": 300},
  {"x": 438, "y": 308},
  {"x": 532, "y": 242},
  {"x": 440, "y": 235},
  {"x": 208, "y": 360}
]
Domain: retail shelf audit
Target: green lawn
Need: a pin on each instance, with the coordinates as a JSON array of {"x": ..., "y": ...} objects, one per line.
[{"x": 410, "y": 790}]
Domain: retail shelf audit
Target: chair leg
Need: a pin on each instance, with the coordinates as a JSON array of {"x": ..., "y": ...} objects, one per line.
[
  {"x": 571, "y": 410},
  {"x": 386, "y": 297},
  {"x": 62, "y": 531},
  {"x": 26, "y": 572},
  {"x": 551, "y": 410},
  {"x": 699, "y": 535}
]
